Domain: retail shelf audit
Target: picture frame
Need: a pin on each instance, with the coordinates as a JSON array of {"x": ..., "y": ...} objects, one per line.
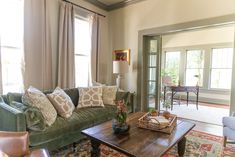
[{"x": 121, "y": 55}]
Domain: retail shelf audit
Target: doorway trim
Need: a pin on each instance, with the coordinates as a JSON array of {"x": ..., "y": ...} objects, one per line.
[{"x": 175, "y": 28}]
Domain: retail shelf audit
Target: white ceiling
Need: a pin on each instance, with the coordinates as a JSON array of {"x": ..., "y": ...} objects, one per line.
[{"x": 110, "y": 2}]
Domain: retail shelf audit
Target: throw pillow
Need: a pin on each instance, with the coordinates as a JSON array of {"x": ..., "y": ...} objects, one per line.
[
  {"x": 109, "y": 94},
  {"x": 35, "y": 98},
  {"x": 34, "y": 118},
  {"x": 90, "y": 96},
  {"x": 62, "y": 102}
]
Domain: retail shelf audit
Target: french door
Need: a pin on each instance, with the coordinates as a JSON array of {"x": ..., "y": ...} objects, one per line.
[{"x": 153, "y": 71}]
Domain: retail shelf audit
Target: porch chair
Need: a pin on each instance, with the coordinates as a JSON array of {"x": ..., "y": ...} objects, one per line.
[
  {"x": 17, "y": 144},
  {"x": 229, "y": 128}
]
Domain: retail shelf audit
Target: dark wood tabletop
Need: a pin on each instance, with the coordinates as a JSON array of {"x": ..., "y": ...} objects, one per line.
[{"x": 138, "y": 142}]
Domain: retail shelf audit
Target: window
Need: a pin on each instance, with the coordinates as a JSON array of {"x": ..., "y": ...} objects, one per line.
[
  {"x": 221, "y": 68},
  {"x": 11, "y": 45},
  {"x": 172, "y": 64},
  {"x": 82, "y": 52},
  {"x": 194, "y": 67}
]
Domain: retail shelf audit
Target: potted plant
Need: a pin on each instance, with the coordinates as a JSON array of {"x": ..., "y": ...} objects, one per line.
[
  {"x": 166, "y": 105},
  {"x": 153, "y": 112},
  {"x": 119, "y": 123}
]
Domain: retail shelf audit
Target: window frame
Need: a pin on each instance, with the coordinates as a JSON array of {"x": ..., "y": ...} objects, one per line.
[
  {"x": 210, "y": 69},
  {"x": 186, "y": 59},
  {"x": 10, "y": 45},
  {"x": 79, "y": 53},
  {"x": 169, "y": 51},
  {"x": 207, "y": 64}
]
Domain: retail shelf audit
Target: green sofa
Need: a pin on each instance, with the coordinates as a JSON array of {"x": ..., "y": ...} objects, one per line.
[{"x": 64, "y": 131}]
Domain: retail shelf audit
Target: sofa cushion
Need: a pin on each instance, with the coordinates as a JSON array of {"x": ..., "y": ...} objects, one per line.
[
  {"x": 90, "y": 96},
  {"x": 109, "y": 94},
  {"x": 80, "y": 119},
  {"x": 35, "y": 98},
  {"x": 33, "y": 116},
  {"x": 62, "y": 102}
]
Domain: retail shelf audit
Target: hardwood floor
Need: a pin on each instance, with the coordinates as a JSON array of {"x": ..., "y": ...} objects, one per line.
[{"x": 206, "y": 127}]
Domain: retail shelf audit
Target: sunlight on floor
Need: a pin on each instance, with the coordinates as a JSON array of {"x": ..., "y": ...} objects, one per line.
[{"x": 208, "y": 114}]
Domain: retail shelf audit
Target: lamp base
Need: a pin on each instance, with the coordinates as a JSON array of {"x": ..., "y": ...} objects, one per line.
[{"x": 118, "y": 81}]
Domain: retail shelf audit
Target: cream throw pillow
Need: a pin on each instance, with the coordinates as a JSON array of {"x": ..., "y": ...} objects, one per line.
[
  {"x": 90, "y": 96},
  {"x": 35, "y": 98},
  {"x": 109, "y": 94},
  {"x": 62, "y": 102}
]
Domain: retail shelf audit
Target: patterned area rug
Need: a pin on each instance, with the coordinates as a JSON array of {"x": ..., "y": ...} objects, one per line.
[{"x": 198, "y": 144}]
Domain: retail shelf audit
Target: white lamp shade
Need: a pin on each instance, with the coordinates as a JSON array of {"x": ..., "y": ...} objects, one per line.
[{"x": 120, "y": 67}]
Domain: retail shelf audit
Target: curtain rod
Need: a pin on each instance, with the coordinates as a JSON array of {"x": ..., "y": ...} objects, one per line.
[{"x": 84, "y": 8}]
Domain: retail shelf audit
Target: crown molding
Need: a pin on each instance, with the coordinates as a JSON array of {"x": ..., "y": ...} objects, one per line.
[
  {"x": 113, "y": 6},
  {"x": 123, "y": 4},
  {"x": 98, "y": 4}
]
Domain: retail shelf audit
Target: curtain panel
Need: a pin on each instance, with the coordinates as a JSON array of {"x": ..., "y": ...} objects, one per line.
[
  {"x": 37, "y": 45},
  {"x": 66, "y": 67}
]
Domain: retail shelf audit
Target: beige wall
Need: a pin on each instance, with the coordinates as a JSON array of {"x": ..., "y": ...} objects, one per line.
[
  {"x": 222, "y": 34},
  {"x": 126, "y": 22}
]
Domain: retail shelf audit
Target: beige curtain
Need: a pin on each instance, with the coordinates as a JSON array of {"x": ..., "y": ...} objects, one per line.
[
  {"x": 94, "y": 47},
  {"x": 37, "y": 45},
  {"x": 66, "y": 69},
  {"x": 104, "y": 57}
]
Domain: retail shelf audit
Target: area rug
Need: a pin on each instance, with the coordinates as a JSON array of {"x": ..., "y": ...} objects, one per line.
[{"x": 198, "y": 144}]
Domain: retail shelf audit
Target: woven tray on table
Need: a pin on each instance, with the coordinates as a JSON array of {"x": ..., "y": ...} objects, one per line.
[{"x": 144, "y": 122}]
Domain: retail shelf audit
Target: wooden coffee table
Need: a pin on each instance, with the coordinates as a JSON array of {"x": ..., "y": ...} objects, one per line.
[{"x": 138, "y": 142}]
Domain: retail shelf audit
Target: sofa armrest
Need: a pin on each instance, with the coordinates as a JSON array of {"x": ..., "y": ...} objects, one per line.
[
  {"x": 11, "y": 119},
  {"x": 229, "y": 122}
]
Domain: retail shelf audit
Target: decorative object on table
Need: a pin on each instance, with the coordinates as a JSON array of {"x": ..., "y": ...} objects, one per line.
[
  {"x": 158, "y": 123},
  {"x": 166, "y": 105},
  {"x": 166, "y": 114},
  {"x": 153, "y": 112},
  {"x": 119, "y": 124},
  {"x": 121, "y": 55},
  {"x": 120, "y": 68}
]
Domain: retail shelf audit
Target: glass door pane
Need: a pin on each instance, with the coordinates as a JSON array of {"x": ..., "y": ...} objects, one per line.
[{"x": 153, "y": 71}]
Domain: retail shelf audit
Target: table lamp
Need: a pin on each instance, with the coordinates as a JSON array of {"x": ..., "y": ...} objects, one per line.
[{"x": 120, "y": 68}]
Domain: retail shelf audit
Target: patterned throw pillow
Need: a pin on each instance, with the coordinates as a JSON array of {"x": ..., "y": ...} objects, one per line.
[
  {"x": 62, "y": 102},
  {"x": 35, "y": 98},
  {"x": 109, "y": 94},
  {"x": 90, "y": 96}
]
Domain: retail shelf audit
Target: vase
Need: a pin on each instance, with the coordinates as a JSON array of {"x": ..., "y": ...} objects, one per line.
[{"x": 120, "y": 128}]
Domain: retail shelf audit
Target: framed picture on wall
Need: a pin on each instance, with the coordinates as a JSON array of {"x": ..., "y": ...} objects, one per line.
[{"x": 121, "y": 55}]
